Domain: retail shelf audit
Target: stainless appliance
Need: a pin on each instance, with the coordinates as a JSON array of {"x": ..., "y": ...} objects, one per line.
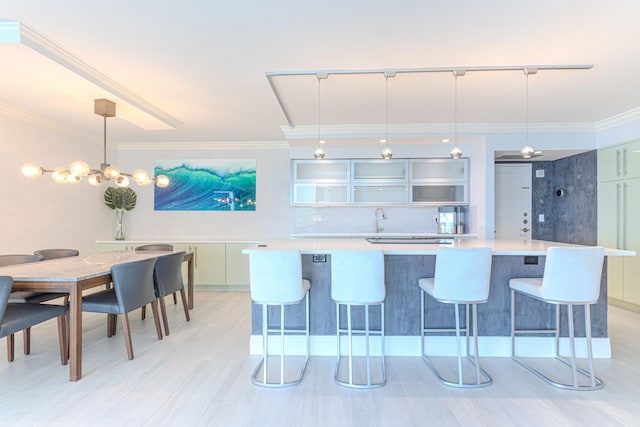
[{"x": 451, "y": 219}]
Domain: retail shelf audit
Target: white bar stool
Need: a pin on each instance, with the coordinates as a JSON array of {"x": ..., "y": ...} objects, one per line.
[
  {"x": 571, "y": 277},
  {"x": 276, "y": 280},
  {"x": 357, "y": 278},
  {"x": 462, "y": 276}
]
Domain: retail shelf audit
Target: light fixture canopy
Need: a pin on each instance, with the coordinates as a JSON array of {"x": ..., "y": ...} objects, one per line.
[{"x": 79, "y": 168}]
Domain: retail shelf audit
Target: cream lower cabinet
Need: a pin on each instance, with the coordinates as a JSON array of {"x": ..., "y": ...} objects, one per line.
[
  {"x": 618, "y": 227},
  {"x": 215, "y": 264}
]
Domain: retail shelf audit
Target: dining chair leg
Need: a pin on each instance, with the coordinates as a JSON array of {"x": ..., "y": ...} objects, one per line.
[
  {"x": 26, "y": 339},
  {"x": 185, "y": 306},
  {"x": 175, "y": 298},
  {"x": 127, "y": 334},
  {"x": 156, "y": 317},
  {"x": 10, "y": 347},
  {"x": 62, "y": 338},
  {"x": 165, "y": 321},
  {"x": 144, "y": 312},
  {"x": 111, "y": 324}
]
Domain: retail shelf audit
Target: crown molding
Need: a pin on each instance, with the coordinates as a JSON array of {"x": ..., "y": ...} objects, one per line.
[
  {"x": 618, "y": 119},
  {"x": 144, "y": 114},
  {"x": 432, "y": 129}
]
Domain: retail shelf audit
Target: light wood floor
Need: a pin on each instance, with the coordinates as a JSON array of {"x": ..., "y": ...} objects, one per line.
[{"x": 199, "y": 375}]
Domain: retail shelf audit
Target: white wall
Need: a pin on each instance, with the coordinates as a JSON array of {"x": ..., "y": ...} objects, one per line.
[
  {"x": 40, "y": 214},
  {"x": 37, "y": 213},
  {"x": 273, "y": 217}
]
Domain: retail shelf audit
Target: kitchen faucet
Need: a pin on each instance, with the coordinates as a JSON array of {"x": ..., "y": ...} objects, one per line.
[{"x": 379, "y": 214}]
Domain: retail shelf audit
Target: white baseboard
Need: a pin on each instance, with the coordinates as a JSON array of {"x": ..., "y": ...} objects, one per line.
[{"x": 325, "y": 345}]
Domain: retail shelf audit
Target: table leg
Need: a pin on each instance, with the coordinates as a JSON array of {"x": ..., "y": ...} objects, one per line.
[
  {"x": 190, "y": 280},
  {"x": 75, "y": 332}
]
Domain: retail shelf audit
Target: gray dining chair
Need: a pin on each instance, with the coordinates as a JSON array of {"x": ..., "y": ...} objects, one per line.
[
  {"x": 36, "y": 297},
  {"x": 56, "y": 253},
  {"x": 17, "y": 317},
  {"x": 133, "y": 287},
  {"x": 156, "y": 247},
  {"x": 167, "y": 277}
]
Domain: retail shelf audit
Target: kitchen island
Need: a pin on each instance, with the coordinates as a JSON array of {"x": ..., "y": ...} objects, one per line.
[{"x": 405, "y": 263}]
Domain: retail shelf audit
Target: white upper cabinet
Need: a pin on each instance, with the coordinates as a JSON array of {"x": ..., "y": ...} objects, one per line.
[
  {"x": 439, "y": 182},
  {"x": 380, "y": 182},
  {"x": 320, "y": 182}
]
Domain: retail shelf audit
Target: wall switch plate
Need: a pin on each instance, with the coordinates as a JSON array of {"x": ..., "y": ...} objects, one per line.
[
  {"x": 320, "y": 258},
  {"x": 530, "y": 260},
  {"x": 541, "y": 218},
  {"x": 539, "y": 173}
]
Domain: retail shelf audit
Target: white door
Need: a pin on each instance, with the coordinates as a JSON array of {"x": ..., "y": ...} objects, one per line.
[{"x": 513, "y": 201}]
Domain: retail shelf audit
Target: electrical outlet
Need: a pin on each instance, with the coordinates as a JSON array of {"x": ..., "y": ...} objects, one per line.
[
  {"x": 530, "y": 260},
  {"x": 320, "y": 258},
  {"x": 316, "y": 218},
  {"x": 541, "y": 218}
]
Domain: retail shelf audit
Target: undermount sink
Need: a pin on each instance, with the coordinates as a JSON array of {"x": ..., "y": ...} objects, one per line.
[{"x": 409, "y": 240}]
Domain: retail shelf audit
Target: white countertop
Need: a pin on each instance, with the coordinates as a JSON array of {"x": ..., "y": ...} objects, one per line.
[
  {"x": 365, "y": 235},
  {"x": 499, "y": 247}
]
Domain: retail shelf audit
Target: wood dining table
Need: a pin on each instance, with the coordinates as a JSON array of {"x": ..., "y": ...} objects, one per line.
[{"x": 73, "y": 275}]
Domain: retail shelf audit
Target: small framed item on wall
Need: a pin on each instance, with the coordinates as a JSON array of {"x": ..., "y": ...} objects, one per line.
[{"x": 207, "y": 185}]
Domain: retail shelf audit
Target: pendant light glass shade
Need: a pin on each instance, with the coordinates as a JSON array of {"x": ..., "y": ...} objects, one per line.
[
  {"x": 455, "y": 153},
  {"x": 527, "y": 152}
]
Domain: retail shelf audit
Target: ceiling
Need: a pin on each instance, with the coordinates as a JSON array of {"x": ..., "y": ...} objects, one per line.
[{"x": 203, "y": 64}]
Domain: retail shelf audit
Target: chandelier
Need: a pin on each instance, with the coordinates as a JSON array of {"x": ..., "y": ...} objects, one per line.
[{"x": 79, "y": 169}]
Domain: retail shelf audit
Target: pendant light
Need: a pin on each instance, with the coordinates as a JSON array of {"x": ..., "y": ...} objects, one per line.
[
  {"x": 318, "y": 154},
  {"x": 386, "y": 151},
  {"x": 456, "y": 152},
  {"x": 79, "y": 169},
  {"x": 527, "y": 151}
]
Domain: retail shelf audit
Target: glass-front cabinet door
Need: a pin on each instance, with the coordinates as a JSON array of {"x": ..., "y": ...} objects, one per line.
[
  {"x": 439, "y": 182},
  {"x": 379, "y": 170}
]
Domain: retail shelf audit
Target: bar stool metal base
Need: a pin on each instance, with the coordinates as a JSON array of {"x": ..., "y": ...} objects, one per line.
[
  {"x": 482, "y": 378},
  {"x": 349, "y": 331},
  {"x": 595, "y": 383},
  {"x": 263, "y": 380}
]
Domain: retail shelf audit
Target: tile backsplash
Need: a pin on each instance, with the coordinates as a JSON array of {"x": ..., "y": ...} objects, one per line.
[{"x": 313, "y": 220}]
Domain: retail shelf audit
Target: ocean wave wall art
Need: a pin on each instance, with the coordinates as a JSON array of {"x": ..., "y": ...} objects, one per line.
[{"x": 207, "y": 185}]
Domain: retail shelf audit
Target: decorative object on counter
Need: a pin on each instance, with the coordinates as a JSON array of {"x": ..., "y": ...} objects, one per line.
[
  {"x": 572, "y": 276},
  {"x": 462, "y": 276},
  {"x": 120, "y": 199},
  {"x": 386, "y": 151},
  {"x": 456, "y": 152},
  {"x": 79, "y": 169},
  {"x": 207, "y": 185},
  {"x": 318, "y": 154}
]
